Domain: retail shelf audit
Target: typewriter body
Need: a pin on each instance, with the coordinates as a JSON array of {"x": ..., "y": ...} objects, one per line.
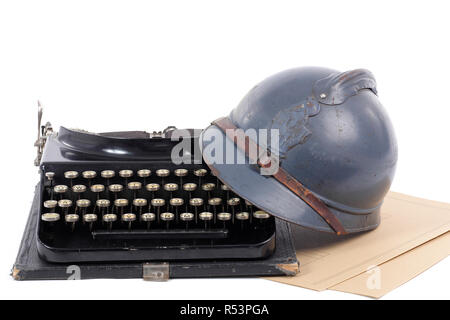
[{"x": 119, "y": 197}]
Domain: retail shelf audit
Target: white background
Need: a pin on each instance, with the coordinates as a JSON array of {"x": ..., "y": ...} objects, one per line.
[{"x": 142, "y": 65}]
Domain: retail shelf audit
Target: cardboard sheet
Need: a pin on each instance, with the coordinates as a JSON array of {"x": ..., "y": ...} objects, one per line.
[
  {"x": 381, "y": 279},
  {"x": 327, "y": 260}
]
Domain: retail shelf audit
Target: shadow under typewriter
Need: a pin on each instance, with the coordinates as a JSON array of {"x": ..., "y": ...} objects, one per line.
[{"x": 97, "y": 206}]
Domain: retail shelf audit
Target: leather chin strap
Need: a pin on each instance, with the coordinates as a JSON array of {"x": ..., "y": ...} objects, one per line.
[{"x": 244, "y": 143}]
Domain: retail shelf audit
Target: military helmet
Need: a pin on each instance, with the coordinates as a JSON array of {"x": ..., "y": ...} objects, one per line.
[{"x": 336, "y": 150}]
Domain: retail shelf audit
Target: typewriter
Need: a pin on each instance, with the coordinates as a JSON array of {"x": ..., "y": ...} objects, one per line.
[{"x": 118, "y": 197}]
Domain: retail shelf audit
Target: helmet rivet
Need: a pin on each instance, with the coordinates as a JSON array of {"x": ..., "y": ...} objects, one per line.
[{"x": 323, "y": 95}]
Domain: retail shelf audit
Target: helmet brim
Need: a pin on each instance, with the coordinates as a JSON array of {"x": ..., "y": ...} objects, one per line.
[{"x": 269, "y": 195}]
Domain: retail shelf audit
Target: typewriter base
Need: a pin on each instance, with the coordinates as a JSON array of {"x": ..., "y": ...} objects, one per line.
[{"x": 29, "y": 266}]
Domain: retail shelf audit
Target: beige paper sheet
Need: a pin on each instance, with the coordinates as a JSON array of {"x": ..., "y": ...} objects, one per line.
[
  {"x": 327, "y": 260},
  {"x": 382, "y": 279}
]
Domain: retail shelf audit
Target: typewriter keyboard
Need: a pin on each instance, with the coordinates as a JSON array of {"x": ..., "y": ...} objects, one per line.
[{"x": 147, "y": 213}]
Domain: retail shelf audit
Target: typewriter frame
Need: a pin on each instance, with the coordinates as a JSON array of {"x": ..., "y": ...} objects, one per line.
[{"x": 64, "y": 150}]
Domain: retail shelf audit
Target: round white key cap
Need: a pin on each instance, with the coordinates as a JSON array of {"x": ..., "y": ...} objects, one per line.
[
  {"x": 89, "y": 174},
  {"x": 205, "y": 216},
  {"x": 224, "y": 216},
  {"x": 162, "y": 173},
  {"x": 90, "y": 217},
  {"x": 140, "y": 202},
  {"x": 107, "y": 174},
  {"x": 167, "y": 216},
  {"x": 126, "y": 173},
  {"x": 50, "y": 217},
  {"x": 152, "y": 187},
  {"x": 186, "y": 216},
  {"x": 50, "y": 204},
  {"x": 71, "y": 174},
  {"x": 144, "y": 173},
  {"x": 148, "y": 217},
  {"x": 242, "y": 216},
  {"x": 72, "y": 218},
  {"x": 65, "y": 203}
]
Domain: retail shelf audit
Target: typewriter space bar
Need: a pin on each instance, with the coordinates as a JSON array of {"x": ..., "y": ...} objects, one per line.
[{"x": 161, "y": 234}]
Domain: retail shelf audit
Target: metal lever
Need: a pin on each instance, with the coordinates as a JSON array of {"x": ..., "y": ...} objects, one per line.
[{"x": 43, "y": 133}]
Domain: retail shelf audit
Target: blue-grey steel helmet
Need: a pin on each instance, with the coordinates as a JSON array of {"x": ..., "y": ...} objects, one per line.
[{"x": 335, "y": 141}]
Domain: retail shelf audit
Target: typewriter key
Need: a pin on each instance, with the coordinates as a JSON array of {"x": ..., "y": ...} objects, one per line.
[
  {"x": 120, "y": 203},
  {"x": 79, "y": 189},
  {"x": 208, "y": 186},
  {"x": 224, "y": 217},
  {"x": 134, "y": 185},
  {"x": 115, "y": 188},
  {"x": 158, "y": 203},
  {"x": 206, "y": 216},
  {"x": 97, "y": 188},
  {"x": 50, "y": 204},
  {"x": 232, "y": 203},
  {"x": 72, "y": 219},
  {"x": 152, "y": 187},
  {"x": 171, "y": 187},
  {"x": 83, "y": 203},
  {"x": 200, "y": 173},
  {"x": 90, "y": 218},
  {"x": 129, "y": 218},
  {"x": 148, "y": 218},
  {"x": 65, "y": 204},
  {"x": 102, "y": 203},
  {"x": 50, "y": 217},
  {"x": 71, "y": 175},
  {"x": 176, "y": 202},
  {"x": 214, "y": 202},
  {"x": 261, "y": 215},
  {"x": 50, "y": 176},
  {"x": 107, "y": 174},
  {"x": 242, "y": 216},
  {"x": 167, "y": 217},
  {"x": 126, "y": 173},
  {"x": 162, "y": 173},
  {"x": 139, "y": 203},
  {"x": 110, "y": 219},
  {"x": 190, "y": 187},
  {"x": 89, "y": 175},
  {"x": 196, "y": 202},
  {"x": 144, "y": 173},
  {"x": 60, "y": 188},
  {"x": 187, "y": 217},
  {"x": 181, "y": 173}
]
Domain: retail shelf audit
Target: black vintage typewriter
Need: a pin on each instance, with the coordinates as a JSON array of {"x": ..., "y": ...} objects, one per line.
[{"x": 119, "y": 197}]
